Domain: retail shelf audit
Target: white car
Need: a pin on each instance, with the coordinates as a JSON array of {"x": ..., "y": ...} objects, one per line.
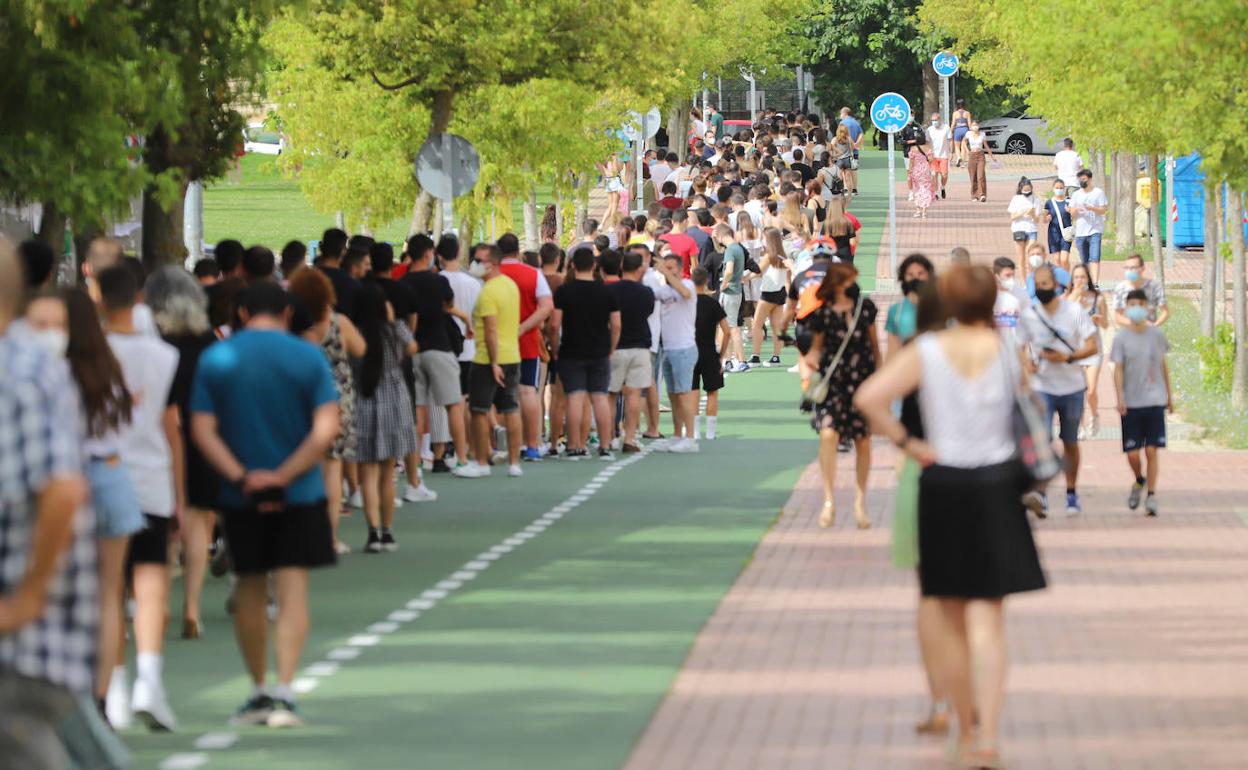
[
  {"x": 258, "y": 139},
  {"x": 1017, "y": 133}
]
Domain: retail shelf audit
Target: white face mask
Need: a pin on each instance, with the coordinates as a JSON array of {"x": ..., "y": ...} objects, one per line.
[
  {"x": 55, "y": 341},
  {"x": 1035, "y": 260},
  {"x": 1008, "y": 284},
  {"x": 477, "y": 269}
]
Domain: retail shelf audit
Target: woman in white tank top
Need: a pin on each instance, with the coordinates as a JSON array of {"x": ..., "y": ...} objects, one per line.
[{"x": 975, "y": 543}]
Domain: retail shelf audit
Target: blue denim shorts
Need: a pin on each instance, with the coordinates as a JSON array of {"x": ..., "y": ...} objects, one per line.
[
  {"x": 117, "y": 511},
  {"x": 678, "y": 368},
  {"x": 1089, "y": 247},
  {"x": 1069, "y": 411}
]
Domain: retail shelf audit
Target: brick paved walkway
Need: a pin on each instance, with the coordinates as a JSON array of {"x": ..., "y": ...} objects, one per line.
[{"x": 1136, "y": 657}]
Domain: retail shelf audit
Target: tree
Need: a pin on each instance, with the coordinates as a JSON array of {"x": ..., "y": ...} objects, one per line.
[{"x": 75, "y": 83}]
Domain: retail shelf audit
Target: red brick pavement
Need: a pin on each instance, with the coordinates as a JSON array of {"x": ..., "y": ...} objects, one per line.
[{"x": 1136, "y": 657}]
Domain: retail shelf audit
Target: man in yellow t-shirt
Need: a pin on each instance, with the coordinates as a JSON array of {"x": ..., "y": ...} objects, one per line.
[{"x": 495, "y": 374}]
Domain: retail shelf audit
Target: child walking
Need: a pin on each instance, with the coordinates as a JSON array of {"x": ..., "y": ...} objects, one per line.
[
  {"x": 1142, "y": 381},
  {"x": 708, "y": 375}
]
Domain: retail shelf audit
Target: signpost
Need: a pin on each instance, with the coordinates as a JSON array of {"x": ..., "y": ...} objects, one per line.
[
  {"x": 946, "y": 65},
  {"x": 890, "y": 112},
  {"x": 447, "y": 166},
  {"x": 637, "y": 130},
  {"x": 1168, "y": 211},
  {"x": 748, "y": 76}
]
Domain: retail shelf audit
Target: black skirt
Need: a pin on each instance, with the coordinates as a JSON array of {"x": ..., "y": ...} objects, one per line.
[{"x": 974, "y": 537}]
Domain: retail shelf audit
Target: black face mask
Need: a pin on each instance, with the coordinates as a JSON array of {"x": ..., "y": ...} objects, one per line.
[
  {"x": 1045, "y": 295},
  {"x": 912, "y": 286},
  {"x": 1085, "y": 183},
  {"x": 852, "y": 292}
]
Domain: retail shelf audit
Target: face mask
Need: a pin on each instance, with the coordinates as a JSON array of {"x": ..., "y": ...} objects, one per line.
[
  {"x": 1035, "y": 260},
  {"x": 913, "y": 286},
  {"x": 477, "y": 270},
  {"x": 1059, "y": 192},
  {"x": 1085, "y": 183},
  {"x": 1008, "y": 284},
  {"x": 55, "y": 341},
  {"x": 1137, "y": 314},
  {"x": 1132, "y": 275},
  {"x": 852, "y": 291},
  {"x": 1027, "y": 191},
  {"x": 975, "y": 129},
  {"x": 1045, "y": 295},
  {"x": 936, "y": 123}
]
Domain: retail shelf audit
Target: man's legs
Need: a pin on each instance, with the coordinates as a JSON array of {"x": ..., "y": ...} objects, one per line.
[
  {"x": 1154, "y": 470},
  {"x": 602, "y": 415},
  {"x": 531, "y": 415},
  {"x": 632, "y": 414},
  {"x": 459, "y": 431},
  {"x": 576, "y": 417},
  {"x": 481, "y": 437},
  {"x": 251, "y": 623},
  {"x": 291, "y": 629},
  {"x": 514, "y": 424}
]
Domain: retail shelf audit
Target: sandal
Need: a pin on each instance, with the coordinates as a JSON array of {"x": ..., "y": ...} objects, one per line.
[
  {"x": 827, "y": 517},
  {"x": 860, "y": 514},
  {"x": 191, "y": 629},
  {"x": 937, "y": 723},
  {"x": 981, "y": 759}
]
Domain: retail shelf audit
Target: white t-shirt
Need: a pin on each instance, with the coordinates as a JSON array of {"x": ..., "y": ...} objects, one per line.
[
  {"x": 1074, "y": 325},
  {"x": 938, "y": 140},
  {"x": 677, "y": 316},
  {"x": 655, "y": 280},
  {"x": 1024, "y": 224},
  {"x": 659, "y": 173},
  {"x": 144, "y": 321},
  {"x": 148, "y": 365},
  {"x": 1005, "y": 313},
  {"x": 1087, "y": 223},
  {"x": 1068, "y": 164},
  {"x": 466, "y": 290}
]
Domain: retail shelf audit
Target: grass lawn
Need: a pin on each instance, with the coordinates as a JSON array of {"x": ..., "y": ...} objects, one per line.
[
  {"x": 1211, "y": 411},
  {"x": 270, "y": 210}
]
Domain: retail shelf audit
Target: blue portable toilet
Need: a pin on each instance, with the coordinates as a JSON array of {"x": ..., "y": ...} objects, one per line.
[{"x": 1189, "y": 198}]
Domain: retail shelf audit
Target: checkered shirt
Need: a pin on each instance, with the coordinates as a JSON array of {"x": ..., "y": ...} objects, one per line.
[{"x": 40, "y": 440}]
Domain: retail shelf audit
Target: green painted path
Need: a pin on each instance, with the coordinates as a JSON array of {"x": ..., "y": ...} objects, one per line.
[{"x": 871, "y": 206}]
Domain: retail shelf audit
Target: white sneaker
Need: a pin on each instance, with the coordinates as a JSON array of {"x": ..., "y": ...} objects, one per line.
[
  {"x": 660, "y": 445},
  {"x": 617, "y": 443},
  {"x": 420, "y": 494},
  {"x": 357, "y": 499},
  {"x": 426, "y": 463},
  {"x": 794, "y": 369},
  {"x": 152, "y": 707},
  {"x": 515, "y": 471},
  {"x": 471, "y": 471},
  {"x": 499, "y": 457},
  {"x": 684, "y": 446},
  {"x": 117, "y": 701}
]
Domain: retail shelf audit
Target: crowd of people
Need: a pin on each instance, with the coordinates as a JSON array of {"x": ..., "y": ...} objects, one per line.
[{"x": 242, "y": 408}]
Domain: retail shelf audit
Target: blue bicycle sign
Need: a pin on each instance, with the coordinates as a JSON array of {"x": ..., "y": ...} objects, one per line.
[
  {"x": 945, "y": 63},
  {"x": 890, "y": 112}
]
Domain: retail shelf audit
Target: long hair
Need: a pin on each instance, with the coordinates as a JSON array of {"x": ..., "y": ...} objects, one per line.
[
  {"x": 793, "y": 214},
  {"x": 746, "y": 231},
  {"x": 838, "y": 273},
  {"x": 773, "y": 247},
  {"x": 105, "y": 398},
  {"x": 549, "y": 224},
  {"x": 378, "y": 332},
  {"x": 178, "y": 303}
]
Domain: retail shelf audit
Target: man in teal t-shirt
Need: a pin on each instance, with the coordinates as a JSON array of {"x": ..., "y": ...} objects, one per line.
[{"x": 730, "y": 294}]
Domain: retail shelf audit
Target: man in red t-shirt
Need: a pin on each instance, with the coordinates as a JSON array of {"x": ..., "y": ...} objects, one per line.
[
  {"x": 670, "y": 200},
  {"x": 536, "y": 305},
  {"x": 681, "y": 244}
]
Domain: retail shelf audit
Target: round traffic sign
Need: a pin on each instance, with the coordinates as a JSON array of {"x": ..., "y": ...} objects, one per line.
[
  {"x": 447, "y": 166},
  {"x": 945, "y": 63},
  {"x": 641, "y": 127},
  {"x": 890, "y": 112}
]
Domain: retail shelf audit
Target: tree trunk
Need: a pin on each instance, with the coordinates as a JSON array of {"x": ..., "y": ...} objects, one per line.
[
  {"x": 439, "y": 120},
  {"x": 1124, "y": 204},
  {"x": 1209, "y": 284},
  {"x": 931, "y": 94},
  {"x": 1154, "y": 218},
  {"x": 1219, "y": 284},
  {"x": 559, "y": 218},
  {"x": 1111, "y": 190},
  {"x": 580, "y": 207},
  {"x": 677, "y": 129},
  {"x": 162, "y": 229},
  {"x": 530, "y": 219},
  {"x": 1239, "y": 272},
  {"x": 52, "y": 227}
]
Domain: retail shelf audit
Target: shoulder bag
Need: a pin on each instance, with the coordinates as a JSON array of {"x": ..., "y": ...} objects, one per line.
[
  {"x": 1031, "y": 434},
  {"x": 817, "y": 390},
  {"x": 1068, "y": 230}
]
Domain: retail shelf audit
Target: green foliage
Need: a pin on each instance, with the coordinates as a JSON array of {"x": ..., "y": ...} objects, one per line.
[
  {"x": 1200, "y": 405},
  {"x": 1217, "y": 358}
]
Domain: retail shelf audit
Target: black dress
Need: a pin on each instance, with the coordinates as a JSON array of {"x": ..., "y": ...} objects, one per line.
[
  {"x": 858, "y": 362},
  {"x": 201, "y": 480}
]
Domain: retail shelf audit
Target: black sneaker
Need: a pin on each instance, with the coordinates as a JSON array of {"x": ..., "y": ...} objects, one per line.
[
  {"x": 440, "y": 466},
  {"x": 374, "y": 542},
  {"x": 855, "y": 191},
  {"x": 754, "y": 360},
  {"x": 942, "y": 193},
  {"x": 844, "y": 446},
  {"x": 576, "y": 454},
  {"x": 605, "y": 455},
  {"x": 388, "y": 543},
  {"x": 255, "y": 711},
  {"x": 284, "y": 714},
  {"x": 773, "y": 361}
]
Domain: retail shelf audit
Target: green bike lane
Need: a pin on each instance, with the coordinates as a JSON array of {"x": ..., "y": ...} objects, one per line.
[{"x": 552, "y": 656}]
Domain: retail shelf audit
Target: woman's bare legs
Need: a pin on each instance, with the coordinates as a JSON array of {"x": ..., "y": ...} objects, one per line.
[
  {"x": 929, "y": 629},
  {"x": 385, "y": 471},
  {"x": 1020, "y": 251},
  {"x": 111, "y": 569},
  {"x": 828, "y": 439},
  {"x": 332, "y": 469},
  {"x": 756, "y": 327},
  {"x": 862, "y": 466},
  {"x": 952, "y": 658},
  {"x": 985, "y": 632},
  {"x": 777, "y": 318},
  {"x": 1093, "y": 374},
  {"x": 370, "y": 488},
  {"x": 196, "y": 536}
]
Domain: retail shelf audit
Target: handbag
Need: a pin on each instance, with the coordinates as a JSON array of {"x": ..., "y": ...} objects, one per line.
[
  {"x": 1031, "y": 434},
  {"x": 817, "y": 390}
]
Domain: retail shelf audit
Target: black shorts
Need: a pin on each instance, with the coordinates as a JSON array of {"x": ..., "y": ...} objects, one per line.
[
  {"x": 150, "y": 545},
  {"x": 708, "y": 374},
  {"x": 552, "y": 371},
  {"x": 1143, "y": 426},
  {"x": 802, "y": 337},
  {"x": 581, "y": 374},
  {"x": 484, "y": 392},
  {"x": 465, "y": 367},
  {"x": 296, "y": 536},
  {"x": 776, "y": 297}
]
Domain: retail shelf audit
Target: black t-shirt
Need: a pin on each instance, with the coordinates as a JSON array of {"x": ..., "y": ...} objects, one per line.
[
  {"x": 431, "y": 291},
  {"x": 806, "y": 171},
  {"x": 714, "y": 264},
  {"x": 636, "y": 302},
  {"x": 345, "y": 289},
  {"x": 703, "y": 239},
  {"x": 400, "y": 297},
  {"x": 710, "y": 313},
  {"x": 587, "y": 308}
]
